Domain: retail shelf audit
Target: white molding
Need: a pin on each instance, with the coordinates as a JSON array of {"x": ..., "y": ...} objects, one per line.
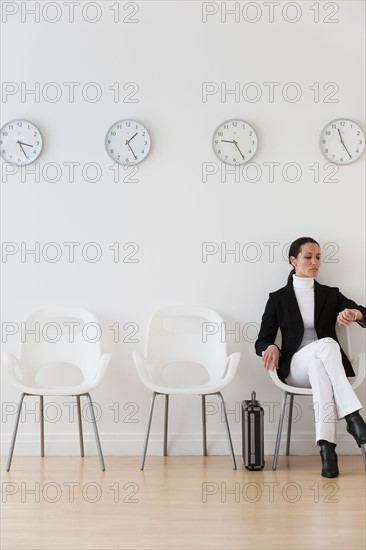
[{"x": 122, "y": 444}]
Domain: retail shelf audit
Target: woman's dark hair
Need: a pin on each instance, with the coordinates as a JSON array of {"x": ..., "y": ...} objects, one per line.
[{"x": 295, "y": 250}]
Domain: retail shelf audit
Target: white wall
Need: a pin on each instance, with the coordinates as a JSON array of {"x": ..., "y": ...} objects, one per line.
[{"x": 169, "y": 52}]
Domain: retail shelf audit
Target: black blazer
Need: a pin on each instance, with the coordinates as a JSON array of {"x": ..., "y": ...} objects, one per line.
[{"x": 282, "y": 312}]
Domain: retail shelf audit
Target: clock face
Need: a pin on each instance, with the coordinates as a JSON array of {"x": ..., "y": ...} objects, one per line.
[
  {"x": 127, "y": 142},
  {"x": 235, "y": 142},
  {"x": 342, "y": 141},
  {"x": 20, "y": 142}
]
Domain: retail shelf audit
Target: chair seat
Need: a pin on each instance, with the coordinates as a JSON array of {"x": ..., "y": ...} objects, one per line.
[
  {"x": 79, "y": 389},
  {"x": 183, "y": 378},
  {"x": 204, "y": 389},
  {"x": 286, "y": 387}
]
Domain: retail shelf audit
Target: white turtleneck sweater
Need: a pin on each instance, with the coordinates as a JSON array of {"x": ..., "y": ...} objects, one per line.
[{"x": 304, "y": 292}]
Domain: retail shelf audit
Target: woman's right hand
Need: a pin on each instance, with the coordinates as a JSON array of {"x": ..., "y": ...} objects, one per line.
[{"x": 270, "y": 357}]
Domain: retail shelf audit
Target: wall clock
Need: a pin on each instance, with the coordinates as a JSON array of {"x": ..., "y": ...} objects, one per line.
[
  {"x": 342, "y": 141},
  {"x": 235, "y": 142},
  {"x": 20, "y": 142},
  {"x": 127, "y": 142}
]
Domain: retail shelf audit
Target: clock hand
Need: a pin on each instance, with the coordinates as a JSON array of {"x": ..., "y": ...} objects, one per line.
[
  {"x": 129, "y": 146},
  {"x": 347, "y": 150},
  {"x": 236, "y": 145},
  {"x": 132, "y": 137},
  {"x": 227, "y": 141},
  {"x": 20, "y": 145},
  {"x": 27, "y": 144},
  {"x": 344, "y": 145}
]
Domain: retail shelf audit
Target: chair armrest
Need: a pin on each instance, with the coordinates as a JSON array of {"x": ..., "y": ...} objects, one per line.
[
  {"x": 141, "y": 366},
  {"x": 273, "y": 374},
  {"x": 103, "y": 363},
  {"x": 232, "y": 363},
  {"x": 295, "y": 390},
  {"x": 360, "y": 368}
]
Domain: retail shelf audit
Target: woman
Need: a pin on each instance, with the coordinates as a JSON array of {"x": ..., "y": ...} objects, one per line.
[{"x": 306, "y": 312}]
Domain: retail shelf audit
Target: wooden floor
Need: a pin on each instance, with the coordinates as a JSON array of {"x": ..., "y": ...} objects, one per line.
[{"x": 181, "y": 503}]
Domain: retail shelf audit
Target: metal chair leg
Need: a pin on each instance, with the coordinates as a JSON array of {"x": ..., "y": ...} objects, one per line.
[
  {"x": 363, "y": 451},
  {"x": 166, "y": 413},
  {"x": 228, "y": 431},
  {"x": 80, "y": 426},
  {"x": 147, "y": 431},
  {"x": 41, "y": 420},
  {"x": 279, "y": 431},
  {"x": 11, "y": 451},
  {"x": 204, "y": 432},
  {"x": 289, "y": 425},
  {"x": 101, "y": 460}
]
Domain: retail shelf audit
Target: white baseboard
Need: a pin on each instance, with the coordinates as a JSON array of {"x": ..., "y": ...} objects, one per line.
[{"x": 122, "y": 444}]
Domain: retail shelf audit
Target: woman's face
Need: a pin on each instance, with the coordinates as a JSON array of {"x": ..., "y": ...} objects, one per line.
[{"x": 307, "y": 262}]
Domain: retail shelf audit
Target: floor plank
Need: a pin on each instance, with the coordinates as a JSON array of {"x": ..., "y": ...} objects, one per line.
[{"x": 181, "y": 503}]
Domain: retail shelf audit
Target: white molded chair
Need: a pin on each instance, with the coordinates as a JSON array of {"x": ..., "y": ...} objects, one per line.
[
  {"x": 61, "y": 357},
  {"x": 358, "y": 364},
  {"x": 183, "y": 356}
]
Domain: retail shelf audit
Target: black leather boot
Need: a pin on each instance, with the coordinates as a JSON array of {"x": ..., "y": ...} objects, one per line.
[
  {"x": 329, "y": 458},
  {"x": 356, "y": 426}
]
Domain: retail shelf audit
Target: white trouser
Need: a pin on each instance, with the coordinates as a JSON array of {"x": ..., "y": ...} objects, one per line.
[{"x": 319, "y": 366}]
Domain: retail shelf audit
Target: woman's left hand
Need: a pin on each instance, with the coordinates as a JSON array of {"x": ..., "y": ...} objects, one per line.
[{"x": 346, "y": 317}]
